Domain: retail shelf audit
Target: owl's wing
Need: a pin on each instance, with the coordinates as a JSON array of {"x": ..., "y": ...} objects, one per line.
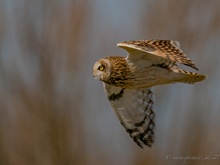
[
  {"x": 158, "y": 52},
  {"x": 134, "y": 109}
]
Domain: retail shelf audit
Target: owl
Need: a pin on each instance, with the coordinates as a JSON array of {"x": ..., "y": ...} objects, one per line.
[{"x": 128, "y": 82}]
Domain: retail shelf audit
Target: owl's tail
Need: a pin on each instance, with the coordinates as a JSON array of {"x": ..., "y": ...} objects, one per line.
[{"x": 189, "y": 77}]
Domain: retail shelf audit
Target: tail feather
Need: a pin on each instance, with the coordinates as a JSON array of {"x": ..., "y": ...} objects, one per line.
[{"x": 189, "y": 77}]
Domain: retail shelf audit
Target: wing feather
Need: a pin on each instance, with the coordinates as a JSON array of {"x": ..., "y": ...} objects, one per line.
[
  {"x": 134, "y": 109},
  {"x": 161, "y": 52}
]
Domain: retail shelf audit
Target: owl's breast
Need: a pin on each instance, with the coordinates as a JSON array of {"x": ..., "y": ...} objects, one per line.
[
  {"x": 139, "y": 78},
  {"x": 124, "y": 78},
  {"x": 118, "y": 81}
]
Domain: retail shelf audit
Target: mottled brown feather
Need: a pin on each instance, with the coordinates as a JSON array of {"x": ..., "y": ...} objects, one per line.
[{"x": 166, "y": 49}]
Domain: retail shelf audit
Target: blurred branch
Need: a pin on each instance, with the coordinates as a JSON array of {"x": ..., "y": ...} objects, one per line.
[{"x": 45, "y": 117}]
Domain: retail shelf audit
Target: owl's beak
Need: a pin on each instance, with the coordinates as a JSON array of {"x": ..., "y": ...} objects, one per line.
[
  {"x": 97, "y": 77},
  {"x": 96, "y": 73}
]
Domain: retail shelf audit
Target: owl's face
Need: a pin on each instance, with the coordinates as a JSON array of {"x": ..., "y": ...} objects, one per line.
[{"x": 101, "y": 70}]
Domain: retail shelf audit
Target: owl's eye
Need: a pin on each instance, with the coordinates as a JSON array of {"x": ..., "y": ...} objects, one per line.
[{"x": 101, "y": 67}]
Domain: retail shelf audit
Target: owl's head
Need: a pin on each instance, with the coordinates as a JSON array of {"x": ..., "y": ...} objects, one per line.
[{"x": 102, "y": 70}]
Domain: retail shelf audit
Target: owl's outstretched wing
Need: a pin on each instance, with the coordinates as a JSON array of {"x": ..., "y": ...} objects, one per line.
[
  {"x": 134, "y": 109},
  {"x": 158, "y": 52}
]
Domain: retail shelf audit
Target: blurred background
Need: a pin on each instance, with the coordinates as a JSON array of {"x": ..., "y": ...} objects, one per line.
[{"x": 52, "y": 111}]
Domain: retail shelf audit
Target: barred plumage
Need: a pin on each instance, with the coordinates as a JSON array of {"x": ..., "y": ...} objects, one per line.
[
  {"x": 166, "y": 49},
  {"x": 128, "y": 82}
]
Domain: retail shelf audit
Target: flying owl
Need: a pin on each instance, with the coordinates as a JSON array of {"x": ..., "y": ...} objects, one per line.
[{"x": 128, "y": 81}]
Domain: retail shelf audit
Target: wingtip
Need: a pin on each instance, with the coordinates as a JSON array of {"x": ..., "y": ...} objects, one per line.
[
  {"x": 196, "y": 68},
  {"x": 192, "y": 65}
]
